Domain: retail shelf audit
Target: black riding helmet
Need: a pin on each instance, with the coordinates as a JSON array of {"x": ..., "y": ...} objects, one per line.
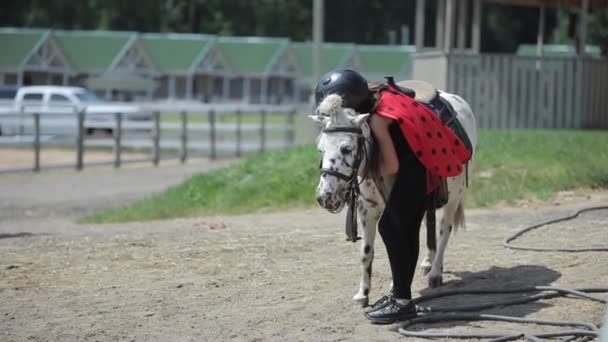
[{"x": 347, "y": 83}]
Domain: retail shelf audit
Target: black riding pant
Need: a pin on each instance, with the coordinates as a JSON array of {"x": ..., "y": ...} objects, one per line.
[{"x": 399, "y": 225}]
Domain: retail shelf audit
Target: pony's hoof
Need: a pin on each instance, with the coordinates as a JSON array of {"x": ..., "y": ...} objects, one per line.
[
  {"x": 425, "y": 269},
  {"x": 360, "y": 302},
  {"x": 435, "y": 282}
]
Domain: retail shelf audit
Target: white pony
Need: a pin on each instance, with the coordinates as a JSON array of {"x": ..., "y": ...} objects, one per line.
[{"x": 343, "y": 136}]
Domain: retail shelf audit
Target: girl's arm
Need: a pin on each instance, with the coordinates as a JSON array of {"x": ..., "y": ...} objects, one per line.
[{"x": 389, "y": 162}]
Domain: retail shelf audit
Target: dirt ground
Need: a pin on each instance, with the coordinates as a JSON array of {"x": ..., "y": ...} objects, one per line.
[{"x": 285, "y": 276}]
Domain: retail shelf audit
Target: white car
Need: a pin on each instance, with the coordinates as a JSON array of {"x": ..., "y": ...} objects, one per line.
[{"x": 58, "y": 106}]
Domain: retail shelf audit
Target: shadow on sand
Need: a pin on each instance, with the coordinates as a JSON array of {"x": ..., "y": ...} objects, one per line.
[{"x": 495, "y": 278}]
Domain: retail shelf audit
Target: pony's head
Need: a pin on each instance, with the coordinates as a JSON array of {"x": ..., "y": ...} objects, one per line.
[{"x": 341, "y": 144}]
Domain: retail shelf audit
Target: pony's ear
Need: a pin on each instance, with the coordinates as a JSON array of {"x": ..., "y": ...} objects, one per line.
[
  {"x": 360, "y": 119},
  {"x": 320, "y": 119}
]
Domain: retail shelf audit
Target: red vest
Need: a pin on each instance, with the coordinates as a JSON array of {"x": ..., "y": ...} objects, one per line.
[{"x": 436, "y": 146}]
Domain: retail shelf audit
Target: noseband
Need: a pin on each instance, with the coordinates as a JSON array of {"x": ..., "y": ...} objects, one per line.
[{"x": 352, "y": 183}]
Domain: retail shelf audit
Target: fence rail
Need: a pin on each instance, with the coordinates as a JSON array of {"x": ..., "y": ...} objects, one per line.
[{"x": 170, "y": 133}]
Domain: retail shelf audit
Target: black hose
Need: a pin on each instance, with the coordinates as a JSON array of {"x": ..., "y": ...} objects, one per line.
[
  {"x": 583, "y": 331},
  {"x": 444, "y": 314},
  {"x": 506, "y": 242}
]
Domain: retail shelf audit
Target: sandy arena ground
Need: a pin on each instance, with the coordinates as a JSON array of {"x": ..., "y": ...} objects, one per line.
[{"x": 285, "y": 276}]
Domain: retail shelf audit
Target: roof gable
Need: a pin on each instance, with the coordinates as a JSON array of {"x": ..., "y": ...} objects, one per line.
[
  {"x": 385, "y": 60},
  {"x": 92, "y": 51},
  {"x": 175, "y": 53},
  {"x": 250, "y": 55},
  {"x": 17, "y": 45},
  {"x": 333, "y": 55}
]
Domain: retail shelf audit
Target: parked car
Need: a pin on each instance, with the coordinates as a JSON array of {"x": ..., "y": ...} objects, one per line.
[
  {"x": 58, "y": 105},
  {"x": 8, "y": 92}
]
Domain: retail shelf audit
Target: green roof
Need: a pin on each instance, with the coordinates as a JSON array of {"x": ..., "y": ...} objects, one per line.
[
  {"x": 556, "y": 50},
  {"x": 385, "y": 60},
  {"x": 250, "y": 55},
  {"x": 333, "y": 55},
  {"x": 92, "y": 50},
  {"x": 16, "y": 46},
  {"x": 175, "y": 53}
]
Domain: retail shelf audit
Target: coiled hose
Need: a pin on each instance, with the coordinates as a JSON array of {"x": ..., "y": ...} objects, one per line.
[{"x": 576, "y": 331}]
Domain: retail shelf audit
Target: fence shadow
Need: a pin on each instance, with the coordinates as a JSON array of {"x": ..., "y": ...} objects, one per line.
[
  {"x": 495, "y": 278},
  {"x": 15, "y": 235}
]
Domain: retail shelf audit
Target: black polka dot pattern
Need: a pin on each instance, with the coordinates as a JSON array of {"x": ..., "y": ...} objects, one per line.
[{"x": 435, "y": 145}]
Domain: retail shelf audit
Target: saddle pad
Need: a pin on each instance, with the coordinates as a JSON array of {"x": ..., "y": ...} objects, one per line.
[{"x": 434, "y": 144}]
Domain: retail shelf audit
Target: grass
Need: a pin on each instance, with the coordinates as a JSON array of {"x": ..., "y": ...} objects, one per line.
[{"x": 510, "y": 166}]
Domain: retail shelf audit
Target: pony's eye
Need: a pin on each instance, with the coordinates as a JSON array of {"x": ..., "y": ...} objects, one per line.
[{"x": 346, "y": 150}]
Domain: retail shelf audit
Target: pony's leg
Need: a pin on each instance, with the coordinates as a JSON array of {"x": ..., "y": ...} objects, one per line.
[
  {"x": 453, "y": 215},
  {"x": 369, "y": 218},
  {"x": 427, "y": 262}
]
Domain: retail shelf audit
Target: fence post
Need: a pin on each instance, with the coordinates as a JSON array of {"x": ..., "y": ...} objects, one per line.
[
  {"x": 212, "y": 147},
  {"x": 156, "y": 139},
  {"x": 184, "y": 150},
  {"x": 21, "y": 126},
  {"x": 36, "y": 142},
  {"x": 263, "y": 131},
  {"x": 239, "y": 120},
  {"x": 289, "y": 135},
  {"x": 117, "y": 138},
  {"x": 80, "y": 140}
]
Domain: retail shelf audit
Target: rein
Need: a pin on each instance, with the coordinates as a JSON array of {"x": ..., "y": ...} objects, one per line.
[{"x": 352, "y": 182}]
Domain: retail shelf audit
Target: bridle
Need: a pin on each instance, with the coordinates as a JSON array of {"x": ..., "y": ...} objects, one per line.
[
  {"x": 358, "y": 157},
  {"x": 352, "y": 184}
]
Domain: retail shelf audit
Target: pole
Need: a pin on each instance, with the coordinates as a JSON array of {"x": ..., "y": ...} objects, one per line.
[
  {"x": 440, "y": 24},
  {"x": 156, "y": 138},
  {"x": 36, "y": 142},
  {"x": 541, "y": 32},
  {"x": 463, "y": 21},
  {"x": 239, "y": 120},
  {"x": 476, "y": 31},
  {"x": 263, "y": 131},
  {"x": 184, "y": 137},
  {"x": 583, "y": 27},
  {"x": 420, "y": 4},
  {"x": 289, "y": 135},
  {"x": 212, "y": 151},
  {"x": 317, "y": 36},
  {"x": 117, "y": 138},
  {"x": 80, "y": 140},
  {"x": 449, "y": 25}
]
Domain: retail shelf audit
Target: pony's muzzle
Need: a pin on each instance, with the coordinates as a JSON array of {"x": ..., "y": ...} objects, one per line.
[{"x": 329, "y": 200}]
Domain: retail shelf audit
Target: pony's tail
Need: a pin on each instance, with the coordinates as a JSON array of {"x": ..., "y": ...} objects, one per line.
[{"x": 459, "y": 219}]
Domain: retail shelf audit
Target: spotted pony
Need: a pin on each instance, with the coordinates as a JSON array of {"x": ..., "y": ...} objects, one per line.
[{"x": 343, "y": 135}]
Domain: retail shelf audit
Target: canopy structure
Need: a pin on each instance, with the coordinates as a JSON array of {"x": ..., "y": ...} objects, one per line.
[
  {"x": 452, "y": 21},
  {"x": 553, "y": 3}
]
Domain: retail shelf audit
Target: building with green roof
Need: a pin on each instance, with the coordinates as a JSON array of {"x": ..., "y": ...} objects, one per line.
[
  {"x": 557, "y": 50},
  {"x": 198, "y": 67},
  {"x": 265, "y": 69},
  {"x": 191, "y": 66},
  {"x": 31, "y": 56},
  {"x": 93, "y": 54},
  {"x": 379, "y": 61},
  {"x": 333, "y": 55}
]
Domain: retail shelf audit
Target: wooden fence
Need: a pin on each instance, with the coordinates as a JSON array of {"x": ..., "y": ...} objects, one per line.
[
  {"x": 507, "y": 91},
  {"x": 173, "y": 132}
]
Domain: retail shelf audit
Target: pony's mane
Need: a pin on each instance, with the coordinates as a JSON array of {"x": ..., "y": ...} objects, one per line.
[{"x": 331, "y": 105}]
